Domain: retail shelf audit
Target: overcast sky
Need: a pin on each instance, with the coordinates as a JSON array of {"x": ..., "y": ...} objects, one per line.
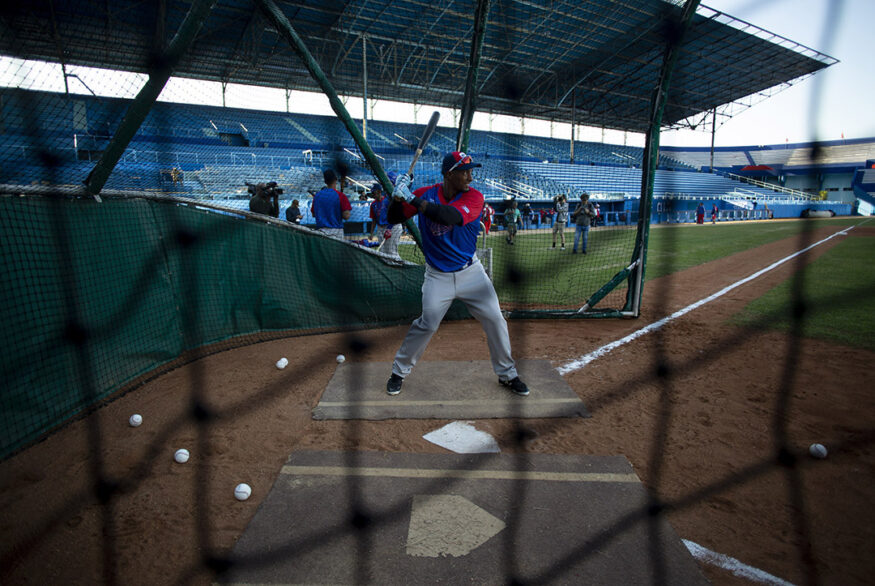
[{"x": 822, "y": 107}]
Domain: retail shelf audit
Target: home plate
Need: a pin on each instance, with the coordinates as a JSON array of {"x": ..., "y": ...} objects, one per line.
[
  {"x": 395, "y": 518},
  {"x": 446, "y": 390}
]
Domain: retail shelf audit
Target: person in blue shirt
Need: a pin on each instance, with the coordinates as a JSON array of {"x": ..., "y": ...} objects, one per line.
[
  {"x": 293, "y": 213},
  {"x": 330, "y": 206},
  {"x": 449, "y": 221},
  {"x": 377, "y": 211}
]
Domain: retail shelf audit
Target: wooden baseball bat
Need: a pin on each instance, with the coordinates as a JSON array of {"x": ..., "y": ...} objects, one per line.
[{"x": 426, "y": 136}]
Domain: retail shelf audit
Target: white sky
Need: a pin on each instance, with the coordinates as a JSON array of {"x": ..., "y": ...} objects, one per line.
[{"x": 823, "y": 107}]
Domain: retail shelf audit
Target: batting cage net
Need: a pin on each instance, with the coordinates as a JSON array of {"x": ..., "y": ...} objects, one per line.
[{"x": 152, "y": 222}]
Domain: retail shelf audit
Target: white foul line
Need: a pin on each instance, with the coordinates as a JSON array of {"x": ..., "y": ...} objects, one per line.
[
  {"x": 587, "y": 358},
  {"x": 733, "y": 565}
]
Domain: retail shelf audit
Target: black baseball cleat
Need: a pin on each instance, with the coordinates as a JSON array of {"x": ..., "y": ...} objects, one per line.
[
  {"x": 516, "y": 385},
  {"x": 393, "y": 385}
]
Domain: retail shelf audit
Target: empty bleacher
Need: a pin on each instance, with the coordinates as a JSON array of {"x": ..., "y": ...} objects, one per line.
[
  {"x": 600, "y": 181},
  {"x": 217, "y": 150}
]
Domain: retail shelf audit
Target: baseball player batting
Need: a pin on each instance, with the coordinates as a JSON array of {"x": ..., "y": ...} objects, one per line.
[{"x": 449, "y": 220}]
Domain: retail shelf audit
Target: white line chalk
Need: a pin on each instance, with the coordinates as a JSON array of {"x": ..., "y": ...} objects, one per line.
[
  {"x": 579, "y": 363},
  {"x": 731, "y": 564}
]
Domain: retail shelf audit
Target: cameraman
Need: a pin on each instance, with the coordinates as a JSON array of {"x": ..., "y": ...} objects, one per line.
[{"x": 265, "y": 199}]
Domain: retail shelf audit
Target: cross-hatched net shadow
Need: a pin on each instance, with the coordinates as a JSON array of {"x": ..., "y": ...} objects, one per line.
[{"x": 181, "y": 252}]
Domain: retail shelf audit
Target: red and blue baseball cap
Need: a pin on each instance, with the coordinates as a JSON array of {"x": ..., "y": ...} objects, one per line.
[{"x": 456, "y": 161}]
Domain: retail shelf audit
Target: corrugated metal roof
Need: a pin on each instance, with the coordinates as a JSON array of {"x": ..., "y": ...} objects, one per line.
[{"x": 537, "y": 56}]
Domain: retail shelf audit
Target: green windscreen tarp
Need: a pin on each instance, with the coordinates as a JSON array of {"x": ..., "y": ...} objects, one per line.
[{"x": 94, "y": 295}]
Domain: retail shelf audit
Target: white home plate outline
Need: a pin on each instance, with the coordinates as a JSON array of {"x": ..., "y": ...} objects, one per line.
[{"x": 448, "y": 525}]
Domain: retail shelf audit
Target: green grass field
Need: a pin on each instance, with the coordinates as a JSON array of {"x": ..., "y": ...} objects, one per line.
[
  {"x": 834, "y": 290},
  {"x": 678, "y": 247},
  {"x": 533, "y": 274}
]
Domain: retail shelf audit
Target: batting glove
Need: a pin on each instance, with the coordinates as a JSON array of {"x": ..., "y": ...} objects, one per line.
[{"x": 402, "y": 187}]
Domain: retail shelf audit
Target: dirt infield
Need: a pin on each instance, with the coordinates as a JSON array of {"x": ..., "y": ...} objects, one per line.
[{"x": 700, "y": 408}]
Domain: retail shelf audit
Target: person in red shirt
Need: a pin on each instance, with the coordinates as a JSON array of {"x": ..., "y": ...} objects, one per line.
[{"x": 488, "y": 212}]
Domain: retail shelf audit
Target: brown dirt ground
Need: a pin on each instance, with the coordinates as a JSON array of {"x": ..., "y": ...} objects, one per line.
[{"x": 704, "y": 438}]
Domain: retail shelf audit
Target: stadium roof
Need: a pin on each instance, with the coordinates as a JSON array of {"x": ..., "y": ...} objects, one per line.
[{"x": 537, "y": 57}]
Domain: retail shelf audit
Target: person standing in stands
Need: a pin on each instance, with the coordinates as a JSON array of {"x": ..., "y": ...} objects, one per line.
[
  {"x": 293, "y": 214},
  {"x": 700, "y": 213},
  {"x": 330, "y": 206}
]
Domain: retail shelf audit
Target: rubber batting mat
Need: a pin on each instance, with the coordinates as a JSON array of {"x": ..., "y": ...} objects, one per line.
[
  {"x": 446, "y": 390},
  {"x": 393, "y": 518}
]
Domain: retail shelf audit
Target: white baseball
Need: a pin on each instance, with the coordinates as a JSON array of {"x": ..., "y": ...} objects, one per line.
[
  {"x": 135, "y": 420},
  {"x": 242, "y": 491},
  {"x": 818, "y": 451},
  {"x": 340, "y": 358},
  {"x": 181, "y": 456},
  {"x": 282, "y": 363}
]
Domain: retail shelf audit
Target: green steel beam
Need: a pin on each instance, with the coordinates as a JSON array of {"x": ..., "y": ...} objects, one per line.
[
  {"x": 674, "y": 32},
  {"x": 278, "y": 19},
  {"x": 470, "y": 98},
  {"x": 148, "y": 94}
]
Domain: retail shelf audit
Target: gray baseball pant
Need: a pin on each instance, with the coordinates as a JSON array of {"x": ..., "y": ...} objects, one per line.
[
  {"x": 390, "y": 245},
  {"x": 472, "y": 286}
]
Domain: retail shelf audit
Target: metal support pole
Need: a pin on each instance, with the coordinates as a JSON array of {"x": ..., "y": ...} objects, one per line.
[
  {"x": 713, "y": 132},
  {"x": 675, "y": 32},
  {"x": 279, "y": 21},
  {"x": 470, "y": 97},
  {"x": 147, "y": 96},
  {"x": 365, "y": 86},
  {"x": 573, "y": 112}
]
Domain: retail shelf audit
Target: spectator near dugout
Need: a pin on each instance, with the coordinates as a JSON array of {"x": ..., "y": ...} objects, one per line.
[
  {"x": 293, "y": 213},
  {"x": 561, "y": 207},
  {"x": 264, "y": 200},
  {"x": 488, "y": 214},
  {"x": 511, "y": 219},
  {"x": 582, "y": 216},
  {"x": 527, "y": 216}
]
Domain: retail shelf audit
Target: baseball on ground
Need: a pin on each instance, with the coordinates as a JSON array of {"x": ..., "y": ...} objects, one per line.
[
  {"x": 242, "y": 491},
  {"x": 282, "y": 363},
  {"x": 135, "y": 420},
  {"x": 181, "y": 456},
  {"x": 340, "y": 358},
  {"x": 818, "y": 451}
]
